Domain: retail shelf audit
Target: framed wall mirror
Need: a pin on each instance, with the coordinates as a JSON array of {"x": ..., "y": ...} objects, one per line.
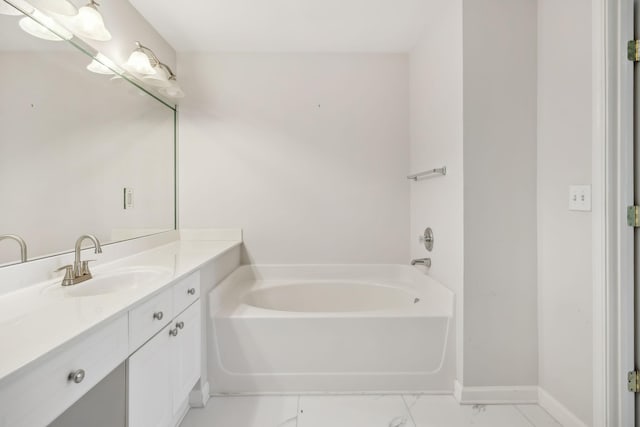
[{"x": 81, "y": 152}]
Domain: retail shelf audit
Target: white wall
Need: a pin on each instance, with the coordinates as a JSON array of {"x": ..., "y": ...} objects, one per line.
[
  {"x": 564, "y": 238},
  {"x": 500, "y": 287},
  {"x": 307, "y": 153},
  {"x": 436, "y": 141}
]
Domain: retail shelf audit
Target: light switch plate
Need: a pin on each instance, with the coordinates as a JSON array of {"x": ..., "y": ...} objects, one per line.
[
  {"x": 580, "y": 198},
  {"x": 128, "y": 198}
]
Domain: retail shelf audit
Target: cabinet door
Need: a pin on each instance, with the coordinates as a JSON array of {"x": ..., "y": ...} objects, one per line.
[
  {"x": 150, "y": 395},
  {"x": 186, "y": 354}
]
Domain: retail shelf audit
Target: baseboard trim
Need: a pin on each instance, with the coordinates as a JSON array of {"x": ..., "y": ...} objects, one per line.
[
  {"x": 199, "y": 396},
  {"x": 457, "y": 391},
  {"x": 495, "y": 395},
  {"x": 557, "y": 410},
  {"x": 332, "y": 393},
  {"x": 182, "y": 412}
]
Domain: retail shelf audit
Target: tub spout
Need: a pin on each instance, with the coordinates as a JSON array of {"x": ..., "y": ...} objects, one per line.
[{"x": 422, "y": 261}]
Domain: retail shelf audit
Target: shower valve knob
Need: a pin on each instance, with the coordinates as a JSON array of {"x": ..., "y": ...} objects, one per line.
[{"x": 427, "y": 239}]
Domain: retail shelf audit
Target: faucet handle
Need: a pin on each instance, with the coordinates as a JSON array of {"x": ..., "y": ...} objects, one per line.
[
  {"x": 84, "y": 269},
  {"x": 68, "y": 275}
]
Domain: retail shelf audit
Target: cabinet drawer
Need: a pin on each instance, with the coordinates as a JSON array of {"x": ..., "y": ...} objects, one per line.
[
  {"x": 146, "y": 320},
  {"x": 186, "y": 292},
  {"x": 42, "y": 393}
]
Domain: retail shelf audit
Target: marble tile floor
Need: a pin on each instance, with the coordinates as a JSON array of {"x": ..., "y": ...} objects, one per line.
[{"x": 361, "y": 411}]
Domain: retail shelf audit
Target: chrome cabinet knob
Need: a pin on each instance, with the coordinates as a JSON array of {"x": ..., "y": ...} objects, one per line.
[
  {"x": 191, "y": 291},
  {"x": 77, "y": 376},
  {"x": 180, "y": 325},
  {"x": 158, "y": 315},
  {"x": 173, "y": 332}
]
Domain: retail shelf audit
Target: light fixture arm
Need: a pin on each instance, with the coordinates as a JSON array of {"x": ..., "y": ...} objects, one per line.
[
  {"x": 154, "y": 60},
  {"x": 172, "y": 75}
]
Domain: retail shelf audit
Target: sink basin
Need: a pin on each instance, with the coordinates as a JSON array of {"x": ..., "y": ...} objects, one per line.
[{"x": 124, "y": 279}]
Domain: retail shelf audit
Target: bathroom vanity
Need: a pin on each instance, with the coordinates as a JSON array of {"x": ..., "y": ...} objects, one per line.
[{"x": 141, "y": 308}]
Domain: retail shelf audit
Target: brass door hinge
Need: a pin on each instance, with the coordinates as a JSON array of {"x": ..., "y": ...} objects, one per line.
[
  {"x": 633, "y": 50},
  {"x": 633, "y": 216},
  {"x": 633, "y": 381}
]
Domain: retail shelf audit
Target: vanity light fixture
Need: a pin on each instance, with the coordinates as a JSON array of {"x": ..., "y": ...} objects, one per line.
[
  {"x": 139, "y": 61},
  {"x": 44, "y": 27},
  {"x": 174, "y": 90},
  {"x": 103, "y": 65},
  {"x": 144, "y": 63},
  {"x": 161, "y": 76},
  {"x": 61, "y": 7},
  {"x": 88, "y": 23},
  {"x": 166, "y": 80}
]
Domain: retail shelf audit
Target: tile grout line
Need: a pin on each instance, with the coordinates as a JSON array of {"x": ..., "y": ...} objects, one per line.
[
  {"x": 524, "y": 415},
  {"x": 406, "y": 405}
]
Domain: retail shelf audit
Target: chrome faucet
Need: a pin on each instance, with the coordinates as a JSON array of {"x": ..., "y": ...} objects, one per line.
[
  {"x": 79, "y": 271},
  {"x": 422, "y": 261},
  {"x": 21, "y": 242}
]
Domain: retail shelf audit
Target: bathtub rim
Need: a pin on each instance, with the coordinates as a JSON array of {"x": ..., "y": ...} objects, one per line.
[{"x": 238, "y": 308}]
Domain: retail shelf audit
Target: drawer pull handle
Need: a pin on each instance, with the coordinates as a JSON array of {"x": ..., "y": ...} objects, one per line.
[
  {"x": 173, "y": 332},
  {"x": 77, "y": 376},
  {"x": 158, "y": 315},
  {"x": 191, "y": 291},
  {"x": 180, "y": 325}
]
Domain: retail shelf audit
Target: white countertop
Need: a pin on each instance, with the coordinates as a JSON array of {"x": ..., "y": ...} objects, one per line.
[{"x": 35, "y": 322}]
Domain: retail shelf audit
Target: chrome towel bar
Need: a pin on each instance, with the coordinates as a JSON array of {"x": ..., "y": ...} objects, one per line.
[{"x": 440, "y": 171}]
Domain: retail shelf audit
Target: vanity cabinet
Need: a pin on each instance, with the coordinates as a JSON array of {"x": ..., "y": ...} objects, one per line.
[
  {"x": 54, "y": 384},
  {"x": 162, "y": 372},
  {"x": 147, "y": 319},
  {"x": 150, "y": 401},
  {"x": 186, "y": 356},
  {"x": 73, "y": 352}
]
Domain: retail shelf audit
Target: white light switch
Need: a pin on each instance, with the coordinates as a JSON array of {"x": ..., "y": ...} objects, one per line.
[
  {"x": 580, "y": 198},
  {"x": 128, "y": 198}
]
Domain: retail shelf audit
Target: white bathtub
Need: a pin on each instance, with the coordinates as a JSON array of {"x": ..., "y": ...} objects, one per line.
[{"x": 330, "y": 329}]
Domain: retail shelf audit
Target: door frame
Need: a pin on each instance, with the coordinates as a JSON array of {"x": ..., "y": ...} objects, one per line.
[{"x": 612, "y": 238}]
